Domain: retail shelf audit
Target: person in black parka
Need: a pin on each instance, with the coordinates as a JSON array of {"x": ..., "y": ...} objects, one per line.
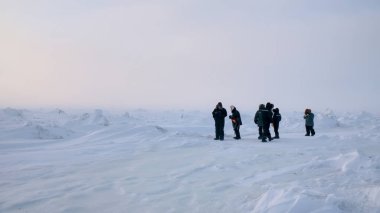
[
  {"x": 259, "y": 120},
  {"x": 236, "y": 121},
  {"x": 267, "y": 120},
  {"x": 276, "y": 122},
  {"x": 219, "y": 114}
]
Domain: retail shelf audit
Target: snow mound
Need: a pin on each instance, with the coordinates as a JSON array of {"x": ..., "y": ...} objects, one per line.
[
  {"x": 10, "y": 116},
  {"x": 12, "y": 112},
  {"x": 89, "y": 119},
  {"x": 327, "y": 120},
  {"x": 23, "y": 124},
  {"x": 45, "y": 132}
]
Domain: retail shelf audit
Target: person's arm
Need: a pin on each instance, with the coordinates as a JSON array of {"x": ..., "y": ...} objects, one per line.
[
  {"x": 214, "y": 113},
  {"x": 312, "y": 116},
  {"x": 256, "y": 119},
  {"x": 271, "y": 116},
  {"x": 239, "y": 118}
]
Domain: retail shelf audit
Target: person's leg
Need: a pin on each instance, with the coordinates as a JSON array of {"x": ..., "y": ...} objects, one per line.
[
  {"x": 307, "y": 131},
  {"x": 265, "y": 133},
  {"x": 275, "y": 127},
  {"x": 234, "y": 126},
  {"x": 260, "y": 132},
  {"x": 237, "y": 131},
  {"x": 312, "y": 131},
  {"x": 268, "y": 133},
  {"x": 221, "y": 136},
  {"x": 216, "y": 131}
]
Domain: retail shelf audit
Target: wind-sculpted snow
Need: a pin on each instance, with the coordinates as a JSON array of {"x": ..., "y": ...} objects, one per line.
[{"x": 152, "y": 161}]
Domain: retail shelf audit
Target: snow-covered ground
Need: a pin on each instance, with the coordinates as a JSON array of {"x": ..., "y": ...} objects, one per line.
[{"x": 167, "y": 161}]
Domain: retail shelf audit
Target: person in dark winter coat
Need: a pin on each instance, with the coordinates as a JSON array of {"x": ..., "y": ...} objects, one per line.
[
  {"x": 309, "y": 122},
  {"x": 236, "y": 121},
  {"x": 276, "y": 122},
  {"x": 219, "y": 114},
  {"x": 267, "y": 120},
  {"x": 259, "y": 120}
]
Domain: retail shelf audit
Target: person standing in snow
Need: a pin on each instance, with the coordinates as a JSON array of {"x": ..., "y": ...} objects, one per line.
[
  {"x": 309, "y": 122},
  {"x": 267, "y": 120},
  {"x": 276, "y": 122},
  {"x": 219, "y": 114},
  {"x": 236, "y": 121},
  {"x": 259, "y": 120}
]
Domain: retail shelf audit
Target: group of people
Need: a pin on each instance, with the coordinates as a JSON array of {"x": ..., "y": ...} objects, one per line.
[
  {"x": 264, "y": 117},
  {"x": 219, "y": 114}
]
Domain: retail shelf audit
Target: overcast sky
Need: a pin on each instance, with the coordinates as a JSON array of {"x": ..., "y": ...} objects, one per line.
[{"x": 190, "y": 53}]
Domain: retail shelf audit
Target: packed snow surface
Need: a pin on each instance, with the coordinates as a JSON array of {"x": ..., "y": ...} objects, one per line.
[{"x": 167, "y": 161}]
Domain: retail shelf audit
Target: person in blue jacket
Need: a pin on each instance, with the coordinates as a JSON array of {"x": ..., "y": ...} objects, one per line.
[{"x": 309, "y": 122}]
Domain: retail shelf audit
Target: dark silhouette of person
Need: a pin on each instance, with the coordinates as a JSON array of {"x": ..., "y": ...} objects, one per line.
[
  {"x": 236, "y": 122},
  {"x": 267, "y": 120},
  {"x": 259, "y": 120},
  {"x": 276, "y": 122},
  {"x": 219, "y": 114}
]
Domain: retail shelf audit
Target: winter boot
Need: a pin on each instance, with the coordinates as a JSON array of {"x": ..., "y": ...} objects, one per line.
[{"x": 312, "y": 132}]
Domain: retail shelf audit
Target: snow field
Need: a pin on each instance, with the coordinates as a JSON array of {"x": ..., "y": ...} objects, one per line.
[{"x": 146, "y": 161}]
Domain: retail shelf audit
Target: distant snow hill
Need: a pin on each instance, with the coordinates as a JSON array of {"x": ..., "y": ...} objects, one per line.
[{"x": 167, "y": 161}]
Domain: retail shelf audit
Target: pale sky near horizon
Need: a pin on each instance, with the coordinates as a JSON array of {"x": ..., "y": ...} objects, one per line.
[{"x": 190, "y": 53}]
